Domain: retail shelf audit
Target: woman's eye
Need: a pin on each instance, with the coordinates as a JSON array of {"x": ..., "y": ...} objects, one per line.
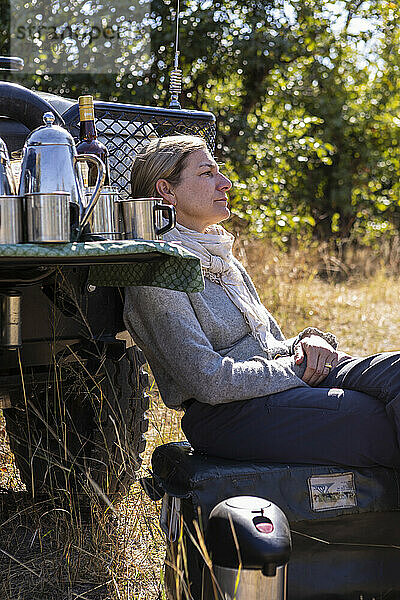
[{"x": 207, "y": 173}]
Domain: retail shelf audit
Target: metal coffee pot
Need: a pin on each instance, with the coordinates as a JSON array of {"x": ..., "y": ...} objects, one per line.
[
  {"x": 10, "y": 204},
  {"x": 50, "y": 164},
  {"x": 7, "y": 183}
]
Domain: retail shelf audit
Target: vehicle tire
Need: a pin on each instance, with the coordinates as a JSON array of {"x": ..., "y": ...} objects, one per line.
[{"x": 83, "y": 428}]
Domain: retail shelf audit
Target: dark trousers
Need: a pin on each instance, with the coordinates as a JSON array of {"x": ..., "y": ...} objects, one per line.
[{"x": 352, "y": 418}]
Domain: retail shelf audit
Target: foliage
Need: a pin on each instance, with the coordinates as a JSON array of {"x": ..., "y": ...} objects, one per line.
[{"x": 306, "y": 98}]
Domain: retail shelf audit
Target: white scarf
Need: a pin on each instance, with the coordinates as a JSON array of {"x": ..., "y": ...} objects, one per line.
[{"x": 214, "y": 249}]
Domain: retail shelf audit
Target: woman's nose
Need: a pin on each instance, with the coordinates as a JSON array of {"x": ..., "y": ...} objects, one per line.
[{"x": 224, "y": 183}]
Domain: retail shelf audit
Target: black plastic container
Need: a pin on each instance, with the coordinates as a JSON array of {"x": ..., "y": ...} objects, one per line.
[{"x": 249, "y": 543}]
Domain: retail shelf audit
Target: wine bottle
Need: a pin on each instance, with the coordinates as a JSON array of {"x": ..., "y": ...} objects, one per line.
[{"x": 89, "y": 144}]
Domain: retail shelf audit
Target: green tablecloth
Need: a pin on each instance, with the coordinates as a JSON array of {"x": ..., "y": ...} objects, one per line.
[{"x": 168, "y": 265}]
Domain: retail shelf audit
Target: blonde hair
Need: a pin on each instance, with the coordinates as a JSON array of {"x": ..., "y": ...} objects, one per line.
[{"x": 164, "y": 158}]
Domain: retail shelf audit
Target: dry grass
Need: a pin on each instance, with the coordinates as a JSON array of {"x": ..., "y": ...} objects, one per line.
[
  {"x": 140, "y": 540},
  {"x": 356, "y": 299},
  {"x": 45, "y": 553}
]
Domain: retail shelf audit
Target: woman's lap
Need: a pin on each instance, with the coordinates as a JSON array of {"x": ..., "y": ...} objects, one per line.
[
  {"x": 303, "y": 425},
  {"x": 377, "y": 375}
]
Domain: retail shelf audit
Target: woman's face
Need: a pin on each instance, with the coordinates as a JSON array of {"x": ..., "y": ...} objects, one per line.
[{"x": 200, "y": 197}]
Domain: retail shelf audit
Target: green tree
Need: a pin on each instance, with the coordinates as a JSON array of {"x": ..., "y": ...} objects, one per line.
[{"x": 305, "y": 94}]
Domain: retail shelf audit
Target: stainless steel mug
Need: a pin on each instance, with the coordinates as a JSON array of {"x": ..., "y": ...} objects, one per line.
[
  {"x": 103, "y": 220},
  {"x": 141, "y": 218},
  {"x": 48, "y": 217},
  {"x": 10, "y": 219}
]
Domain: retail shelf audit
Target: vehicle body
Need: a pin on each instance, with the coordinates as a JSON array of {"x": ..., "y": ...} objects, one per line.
[{"x": 73, "y": 394}]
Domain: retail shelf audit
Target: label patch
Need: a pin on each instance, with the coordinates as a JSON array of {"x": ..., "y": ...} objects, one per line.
[{"x": 336, "y": 490}]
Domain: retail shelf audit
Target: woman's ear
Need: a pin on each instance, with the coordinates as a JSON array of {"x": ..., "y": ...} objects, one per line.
[{"x": 164, "y": 189}]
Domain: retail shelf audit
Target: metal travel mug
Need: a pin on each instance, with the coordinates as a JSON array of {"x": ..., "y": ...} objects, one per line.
[
  {"x": 141, "y": 218},
  {"x": 10, "y": 219},
  {"x": 48, "y": 217},
  {"x": 103, "y": 220}
]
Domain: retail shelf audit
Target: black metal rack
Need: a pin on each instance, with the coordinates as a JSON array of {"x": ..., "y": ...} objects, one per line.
[{"x": 125, "y": 129}]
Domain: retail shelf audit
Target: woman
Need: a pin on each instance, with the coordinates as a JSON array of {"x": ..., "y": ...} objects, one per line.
[{"x": 249, "y": 393}]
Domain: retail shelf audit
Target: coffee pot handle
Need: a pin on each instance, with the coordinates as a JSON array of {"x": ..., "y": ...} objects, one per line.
[
  {"x": 171, "y": 217},
  {"x": 101, "y": 175}
]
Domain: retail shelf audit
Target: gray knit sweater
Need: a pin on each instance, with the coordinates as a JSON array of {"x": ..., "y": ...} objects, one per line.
[{"x": 199, "y": 346}]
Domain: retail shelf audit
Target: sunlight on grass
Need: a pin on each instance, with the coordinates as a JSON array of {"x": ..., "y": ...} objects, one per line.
[
  {"x": 9, "y": 474},
  {"x": 140, "y": 539},
  {"x": 362, "y": 312}
]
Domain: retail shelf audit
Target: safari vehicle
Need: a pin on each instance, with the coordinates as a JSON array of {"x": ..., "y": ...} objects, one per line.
[
  {"x": 74, "y": 400},
  {"x": 73, "y": 393}
]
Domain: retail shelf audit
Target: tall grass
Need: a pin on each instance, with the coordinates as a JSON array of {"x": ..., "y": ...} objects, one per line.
[
  {"x": 353, "y": 293},
  {"x": 51, "y": 552}
]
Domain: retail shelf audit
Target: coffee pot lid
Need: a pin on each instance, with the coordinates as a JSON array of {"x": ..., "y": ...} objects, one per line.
[{"x": 49, "y": 134}]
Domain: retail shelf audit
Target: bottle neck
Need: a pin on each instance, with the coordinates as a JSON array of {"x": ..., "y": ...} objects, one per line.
[
  {"x": 87, "y": 131},
  {"x": 87, "y": 123}
]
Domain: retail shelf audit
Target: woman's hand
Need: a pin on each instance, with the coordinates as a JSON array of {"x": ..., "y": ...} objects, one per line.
[{"x": 321, "y": 357}]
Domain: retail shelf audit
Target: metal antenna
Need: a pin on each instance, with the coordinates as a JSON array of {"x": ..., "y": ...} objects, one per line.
[{"x": 175, "y": 78}]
